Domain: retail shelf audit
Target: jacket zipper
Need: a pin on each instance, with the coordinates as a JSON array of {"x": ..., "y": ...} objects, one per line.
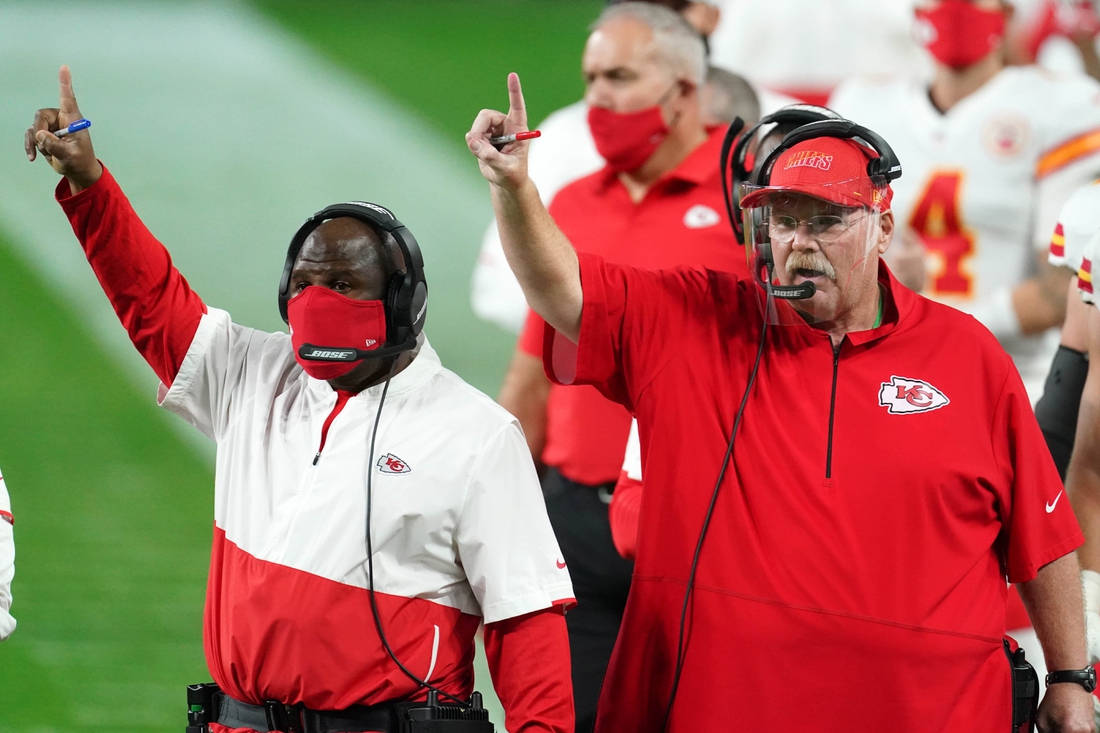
[
  {"x": 342, "y": 398},
  {"x": 832, "y": 413}
]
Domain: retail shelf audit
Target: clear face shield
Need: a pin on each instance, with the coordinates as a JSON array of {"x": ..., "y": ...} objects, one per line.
[{"x": 815, "y": 259}]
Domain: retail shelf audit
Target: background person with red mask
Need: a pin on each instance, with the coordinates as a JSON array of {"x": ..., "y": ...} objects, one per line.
[
  {"x": 658, "y": 203},
  {"x": 887, "y": 567},
  {"x": 990, "y": 153},
  {"x": 566, "y": 152},
  {"x": 325, "y": 539}
]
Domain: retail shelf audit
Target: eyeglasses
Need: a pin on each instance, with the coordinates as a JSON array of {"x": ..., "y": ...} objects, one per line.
[{"x": 825, "y": 228}]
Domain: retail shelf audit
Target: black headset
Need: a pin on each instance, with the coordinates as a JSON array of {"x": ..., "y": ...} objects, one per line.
[
  {"x": 885, "y": 166},
  {"x": 735, "y": 170},
  {"x": 406, "y": 299}
]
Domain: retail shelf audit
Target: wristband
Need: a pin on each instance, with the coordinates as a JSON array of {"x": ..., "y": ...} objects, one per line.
[{"x": 1085, "y": 677}]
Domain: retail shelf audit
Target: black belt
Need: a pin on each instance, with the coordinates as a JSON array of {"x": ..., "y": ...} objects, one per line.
[{"x": 275, "y": 716}]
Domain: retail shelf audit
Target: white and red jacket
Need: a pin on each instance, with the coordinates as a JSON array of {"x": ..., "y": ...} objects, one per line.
[
  {"x": 7, "y": 561},
  {"x": 459, "y": 530}
]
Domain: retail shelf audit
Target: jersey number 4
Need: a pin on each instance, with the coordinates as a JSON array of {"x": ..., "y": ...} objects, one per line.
[{"x": 937, "y": 218}]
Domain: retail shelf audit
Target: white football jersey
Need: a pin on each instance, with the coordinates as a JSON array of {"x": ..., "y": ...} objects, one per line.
[
  {"x": 983, "y": 184},
  {"x": 1075, "y": 239},
  {"x": 792, "y": 45},
  {"x": 7, "y": 561}
]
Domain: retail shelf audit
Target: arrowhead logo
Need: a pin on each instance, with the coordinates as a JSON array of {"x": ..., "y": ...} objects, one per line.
[
  {"x": 390, "y": 463},
  {"x": 701, "y": 217},
  {"x": 903, "y": 396}
]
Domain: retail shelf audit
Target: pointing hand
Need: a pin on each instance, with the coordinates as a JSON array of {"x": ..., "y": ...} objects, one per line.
[
  {"x": 506, "y": 167},
  {"x": 71, "y": 156}
]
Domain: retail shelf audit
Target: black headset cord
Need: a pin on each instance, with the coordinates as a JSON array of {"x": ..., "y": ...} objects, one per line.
[
  {"x": 370, "y": 557},
  {"x": 680, "y": 644}
]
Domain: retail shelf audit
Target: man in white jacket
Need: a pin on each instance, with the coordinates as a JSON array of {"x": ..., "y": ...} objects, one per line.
[{"x": 7, "y": 561}]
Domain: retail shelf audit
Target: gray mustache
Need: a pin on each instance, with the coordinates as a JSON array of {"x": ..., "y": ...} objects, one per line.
[{"x": 809, "y": 261}]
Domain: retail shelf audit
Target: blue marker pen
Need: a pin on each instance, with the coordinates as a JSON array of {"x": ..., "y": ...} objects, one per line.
[{"x": 81, "y": 124}]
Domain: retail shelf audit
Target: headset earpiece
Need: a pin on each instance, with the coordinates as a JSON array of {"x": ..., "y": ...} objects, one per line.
[{"x": 736, "y": 168}]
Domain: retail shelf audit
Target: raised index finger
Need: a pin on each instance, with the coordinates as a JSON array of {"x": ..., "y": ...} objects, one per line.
[
  {"x": 517, "y": 110},
  {"x": 68, "y": 99}
]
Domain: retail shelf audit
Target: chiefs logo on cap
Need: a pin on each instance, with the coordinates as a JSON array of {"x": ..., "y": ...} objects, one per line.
[
  {"x": 390, "y": 463},
  {"x": 903, "y": 396},
  {"x": 809, "y": 159}
]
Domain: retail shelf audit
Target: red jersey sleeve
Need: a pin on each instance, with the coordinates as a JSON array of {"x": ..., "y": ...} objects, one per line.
[
  {"x": 155, "y": 304},
  {"x": 631, "y": 325},
  {"x": 530, "y": 338},
  {"x": 624, "y": 513},
  {"x": 1039, "y": 524},
  {"x": 529, "y": 660}
]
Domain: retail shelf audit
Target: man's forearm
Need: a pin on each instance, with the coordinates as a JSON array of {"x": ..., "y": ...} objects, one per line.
[
  {"x": 1054, "y": 603},
  {"x": 528, "y": 659},
  {"x": 1040, "y": 301},
  {"x": 542, "y": 259}
]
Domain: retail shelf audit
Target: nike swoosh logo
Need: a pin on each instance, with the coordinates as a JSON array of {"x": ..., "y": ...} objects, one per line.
[
  {"x": 560, "y": 564},
  {"x": 1051, "y": 505}
]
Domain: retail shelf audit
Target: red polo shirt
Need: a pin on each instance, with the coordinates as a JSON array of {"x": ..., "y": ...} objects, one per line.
[
  {"x": 878, "y": 498},
  {"x": 681, "y": 221}
]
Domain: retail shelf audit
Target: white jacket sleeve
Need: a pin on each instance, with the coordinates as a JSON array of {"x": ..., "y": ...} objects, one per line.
[{"x": 7, "y": 562}]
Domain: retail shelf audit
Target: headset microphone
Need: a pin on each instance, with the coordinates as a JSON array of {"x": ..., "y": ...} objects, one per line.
[{"x": 794, "y": 292}]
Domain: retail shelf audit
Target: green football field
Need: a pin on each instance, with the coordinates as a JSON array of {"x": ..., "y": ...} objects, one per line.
[{"x": 113, "y": 507}]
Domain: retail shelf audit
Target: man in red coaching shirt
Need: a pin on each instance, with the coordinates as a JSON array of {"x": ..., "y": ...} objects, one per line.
[
  {"x": 655, "y": 204},
  {"x": 888, "y": 476}
]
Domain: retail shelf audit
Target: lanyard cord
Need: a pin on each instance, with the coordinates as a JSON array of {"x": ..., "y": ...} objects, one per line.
[
  {"x": 370, "y": 557},
  {"x": 680, "y": 643}
]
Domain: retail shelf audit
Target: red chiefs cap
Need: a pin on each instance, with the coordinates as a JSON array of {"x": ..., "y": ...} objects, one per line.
[{"x": 829, "y": 168}]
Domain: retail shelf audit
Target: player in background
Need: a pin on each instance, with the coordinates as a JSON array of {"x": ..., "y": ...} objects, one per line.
[
  {"x": 566, "y": 152},
  {"x": 1075, "y": 245},
  {"x": 7, "y": 561},
  {"x": 805, "y": 48},
  {"x": 990, "y": 153},
  {"x": 1057, "y": 410},
  {"x": 1057, "y": 34}
]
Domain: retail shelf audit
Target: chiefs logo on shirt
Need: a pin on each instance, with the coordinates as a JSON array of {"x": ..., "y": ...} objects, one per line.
[
  {"x": 390, "y": 463},
  {"x": 902, "y": 396},
  {"x": 701, "y": 217}
]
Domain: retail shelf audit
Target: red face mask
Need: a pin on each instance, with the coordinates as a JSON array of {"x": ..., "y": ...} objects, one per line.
[
  {"x": 958, "y": 33},
  {"x": 320, "y": 317},
  {"x": 627, "y": 139}
]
